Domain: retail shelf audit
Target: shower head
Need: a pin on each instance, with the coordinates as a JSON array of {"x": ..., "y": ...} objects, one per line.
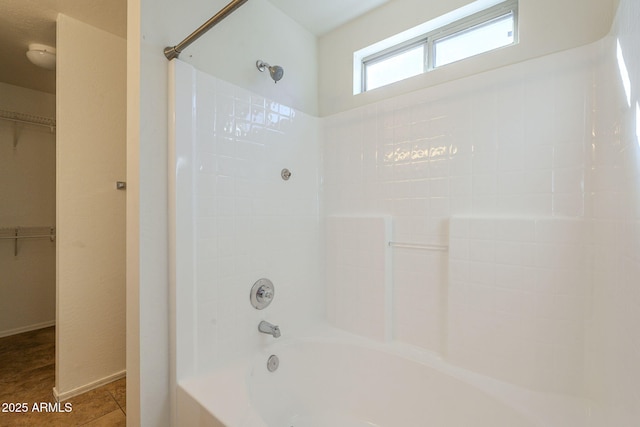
[{"x": 275, "y": 71}]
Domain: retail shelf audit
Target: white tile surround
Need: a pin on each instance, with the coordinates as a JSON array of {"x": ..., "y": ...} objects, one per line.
[
  {"x": 530, "y": 173},
  {"x": 358, "y": 277},
  {"x": 511, "y": 142},
  {"x": 238, "y": 221},
  {"x": 551, "y": 145},
  {"x": 518, "y": 299},
  {"x": 613, "y": 349}
]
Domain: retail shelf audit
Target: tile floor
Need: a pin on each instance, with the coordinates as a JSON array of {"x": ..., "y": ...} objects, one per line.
[{"x": 27, "y": 375}]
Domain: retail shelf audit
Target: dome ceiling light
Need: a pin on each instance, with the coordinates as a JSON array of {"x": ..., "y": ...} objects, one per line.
[{"x": 42, "y": 55}]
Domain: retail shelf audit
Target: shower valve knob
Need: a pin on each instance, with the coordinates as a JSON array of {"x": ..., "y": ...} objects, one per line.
[{"x": 262, "y": 294}]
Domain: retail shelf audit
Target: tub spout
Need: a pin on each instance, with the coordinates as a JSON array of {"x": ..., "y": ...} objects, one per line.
[{"x": 268, "y": 328}]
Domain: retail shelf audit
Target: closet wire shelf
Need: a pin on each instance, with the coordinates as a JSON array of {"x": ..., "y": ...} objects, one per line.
[
  {"x": 20, "y": 233},
  {"x": 31, "y": 119}
]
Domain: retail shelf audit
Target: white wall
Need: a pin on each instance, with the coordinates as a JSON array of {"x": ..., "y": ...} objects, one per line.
[
  {"x": 614, "y": 344},
  {"x": 544, "y": 27},
  {"x": 259, "y": 31},
  {"x": 27, "y": 191},
  {"x": 91, "y": 113},
  {"x": 133, "y": 210},
  {"x": 152, "y": 26}
]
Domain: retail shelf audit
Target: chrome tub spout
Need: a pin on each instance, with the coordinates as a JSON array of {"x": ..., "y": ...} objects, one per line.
[{"x": 268, "y": 328}]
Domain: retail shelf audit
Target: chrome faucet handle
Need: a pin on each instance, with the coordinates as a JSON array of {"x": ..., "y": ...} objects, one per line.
[{"x": 262, "y": 294}]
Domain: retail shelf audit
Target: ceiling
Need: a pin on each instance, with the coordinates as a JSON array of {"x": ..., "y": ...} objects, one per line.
[{"x": 23, "y": 22}]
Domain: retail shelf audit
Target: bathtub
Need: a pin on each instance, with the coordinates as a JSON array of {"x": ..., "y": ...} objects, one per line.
[{"x": 335, "y": 379}]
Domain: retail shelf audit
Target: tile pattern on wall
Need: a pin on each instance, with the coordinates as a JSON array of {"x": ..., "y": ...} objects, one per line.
[
  {"x": 613, "y": 346},
  {"x": 509, "y": 142},
  {"x": 518, "y": 299},
  {"x": 246, "y": 222},
  {"x": 419, "y": 297},
  {"x": 543, "y": 145},
  {"x": 358, "y": 275},
  {"x": 250, "y": 223}
]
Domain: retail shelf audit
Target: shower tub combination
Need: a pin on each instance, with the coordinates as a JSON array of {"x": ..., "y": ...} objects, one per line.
[
  {"x": 342, "y": 380},
  {"x": 326, "y": 377}
]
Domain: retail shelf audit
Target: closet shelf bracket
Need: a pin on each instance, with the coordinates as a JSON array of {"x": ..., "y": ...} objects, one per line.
[
  {"x": 27, "y": 119},
  {"x": 30, "y": 234}
]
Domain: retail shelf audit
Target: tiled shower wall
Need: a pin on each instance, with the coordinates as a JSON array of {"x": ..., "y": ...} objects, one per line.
[
  {"x": 518, "y": 297},
  {"x": 358, "y": 276},
  {"x": 614, "y": 348},
  {"x": 554, "y": 139},
  {"x": 242, "y": 221},
  {"x": 506, "y": 144},
  {"x": 510, "y": 142}
]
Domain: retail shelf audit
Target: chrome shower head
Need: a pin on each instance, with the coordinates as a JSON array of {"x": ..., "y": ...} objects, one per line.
[{"x": 276, "y": 71}]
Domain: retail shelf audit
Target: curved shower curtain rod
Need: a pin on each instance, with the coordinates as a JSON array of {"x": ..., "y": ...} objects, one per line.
[{"x": 172, "y": 52}]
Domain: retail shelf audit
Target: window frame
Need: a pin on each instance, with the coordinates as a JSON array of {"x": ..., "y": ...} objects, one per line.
[
  {"x": 390, "y": 53},
  {"x": 429, "y": 39}
]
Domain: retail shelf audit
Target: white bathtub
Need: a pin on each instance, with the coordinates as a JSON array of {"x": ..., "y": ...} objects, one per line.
[{"x": 335, "y": 379}]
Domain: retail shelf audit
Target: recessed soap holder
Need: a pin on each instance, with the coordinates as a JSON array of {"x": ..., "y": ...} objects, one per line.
[{"x": 262, "y": 294}]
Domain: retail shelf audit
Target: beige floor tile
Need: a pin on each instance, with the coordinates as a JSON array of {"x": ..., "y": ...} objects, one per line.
[
  {"x": 27, "y": 374},
  {"x": 112, "y": 419},
  {"x": 91, "y": 405},
  {"x": 118, "y": 390}
]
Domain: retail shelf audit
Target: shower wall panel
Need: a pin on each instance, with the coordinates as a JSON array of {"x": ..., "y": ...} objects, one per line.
[
  {"x": 614, "y": 345},
  {"x": 510, "y": 142},
  {"x": 519, "y": 298},
  {"x": 359, "y": 275},
  {"x": 243, "y": 220}
]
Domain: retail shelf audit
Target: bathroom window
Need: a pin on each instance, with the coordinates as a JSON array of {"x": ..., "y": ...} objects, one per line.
[
  {"x": 398, "y": 65},
  {"x": 479, "y": 27}
]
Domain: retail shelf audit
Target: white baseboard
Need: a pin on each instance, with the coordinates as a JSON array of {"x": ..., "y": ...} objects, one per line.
[
  {"x": 60, "y": 397},
  {"x": 27, "y": 328}
]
